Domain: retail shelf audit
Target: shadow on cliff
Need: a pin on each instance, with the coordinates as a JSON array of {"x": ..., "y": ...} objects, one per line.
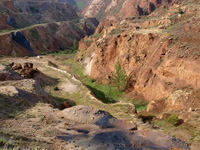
[
  {"x": 106, "y": 140},
  {"x": 100, "y": 95}
]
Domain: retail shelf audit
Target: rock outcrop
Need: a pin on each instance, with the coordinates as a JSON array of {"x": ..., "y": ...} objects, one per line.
[
  {"x": 158, "y": 62},
  {"x": 18, "y": 14},
  {"x": 44, "y": 38},
  {"x": 120, "y": 9}
]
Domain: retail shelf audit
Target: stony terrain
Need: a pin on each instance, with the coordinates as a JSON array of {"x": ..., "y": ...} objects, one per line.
[
  {"x": 122, "y": 9},
  {"x": 35, "y": 124},
  {"x": 32, "y": 28},
  {"x": 71, "y": 101},
  {"x": 20, "y": 13},
  {"x": 160, "y": 55},
  {"x": 44, "y": 38}
]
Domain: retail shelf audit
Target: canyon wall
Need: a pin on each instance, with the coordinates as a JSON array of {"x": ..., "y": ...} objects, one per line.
[
  {"x": 45, "y": 38},
  {"x": 120, "y": 9},
  {"x": 160, "y": 55}
]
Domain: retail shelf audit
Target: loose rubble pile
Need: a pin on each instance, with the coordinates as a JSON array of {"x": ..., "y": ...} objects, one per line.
[{"x": 26, "y": 70}]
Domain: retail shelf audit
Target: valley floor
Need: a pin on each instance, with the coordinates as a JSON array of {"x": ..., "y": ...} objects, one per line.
[{"x": 45, "y": 126}]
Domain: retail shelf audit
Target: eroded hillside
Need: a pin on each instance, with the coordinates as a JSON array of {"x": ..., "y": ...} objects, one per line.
[
  {"x": 36, "y": 115},
  {"x": 74, "y": 101},
  {"x": 122, "y": 9},
  {"x": 38, "y": 27},
  {"x": 20, "y": 13},
  {"x": 45, "y": 38},
  {"x": 160, "y": 54}
]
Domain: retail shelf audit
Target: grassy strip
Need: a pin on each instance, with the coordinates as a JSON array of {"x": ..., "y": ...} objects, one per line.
[{"x": 106, "y": 93}]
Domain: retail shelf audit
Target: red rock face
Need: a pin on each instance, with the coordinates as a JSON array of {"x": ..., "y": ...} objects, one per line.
[
  {"x": 42, "y": 38},
  {"x": 156, "y": 73},
  {"x": 159, "y": 63},
  {"x": 120, "y": 9}
]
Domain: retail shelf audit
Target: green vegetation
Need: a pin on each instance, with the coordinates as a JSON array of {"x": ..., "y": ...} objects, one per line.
[
  {"x": 140, "y": 104},
  {"x": 55, "y": 88},
  {"x": 97, "y": 35},
  {"x": 116, "y": 31},
  {"x": 120, "y": 78},
  {"x": 173, "y": 119},
  {"x": 67, "y": 51},
  {"x": 106, "y": 93},
  {"x": 52, "y": 64},
  {"x": 53, "y": 28},
  {"x": 75, "y": 44},
  {"x": 180, "y": 11},
  {"x": 87, "y": 40},
  {"x": 2, "y": 141},
  {"x": 20, "y": 10},
  {"x": 168, "y": 83}
]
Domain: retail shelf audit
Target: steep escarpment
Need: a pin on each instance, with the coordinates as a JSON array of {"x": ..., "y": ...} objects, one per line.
[
  {"x": 160, "y": 55},
  {"x": 156, "y": 59}
]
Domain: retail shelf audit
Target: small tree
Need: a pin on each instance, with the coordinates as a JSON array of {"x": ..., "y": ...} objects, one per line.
[
  {"x": 75, "y": 44},
  {"x": 120, "y": 78}
]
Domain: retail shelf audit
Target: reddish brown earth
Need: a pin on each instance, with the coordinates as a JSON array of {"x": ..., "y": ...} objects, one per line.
[
  {"x": 120, "y": 9},
  {"x": 151, "y": 56},
  {"x": 44, "y": 38},
  {"x": 160, "y": 54},
  {"x": 30, "y": 123}
]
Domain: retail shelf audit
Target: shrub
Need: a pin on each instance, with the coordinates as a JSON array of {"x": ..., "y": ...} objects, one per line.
[
  {"x": 55, "y": 88},
  {"x": 180, "y": 11},
  {"x": 2, "y": 141},
  {"x": 120, "y": 78},
  {"x": 75, "y": 44},
  {"x": 173, "y": 119}
]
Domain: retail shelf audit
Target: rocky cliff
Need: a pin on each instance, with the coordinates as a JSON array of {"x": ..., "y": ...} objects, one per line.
[
  {"x": 43, "y": 38},
  {"x": 156, "y": 52},
  {"x": 36, "y": 27},
  {"x": 120, "y": 9}
]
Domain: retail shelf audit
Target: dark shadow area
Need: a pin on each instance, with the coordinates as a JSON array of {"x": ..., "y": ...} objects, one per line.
[
  {"x": 179, "y": 122},
  {"x": 58, "y": 102},
  {"x": 146, "y": 118},
  {"x": 10, "y": 106},
  {"x": 113, "y": 140},
  {"x": 20, "y": 38},
  {"x": 119, "y": 140},
  {"x": 100, "y": 95},
  {"x": 17, "y": 141},
  {"x": 45, "y": 80},
  {"x": 104, "y": 121}
]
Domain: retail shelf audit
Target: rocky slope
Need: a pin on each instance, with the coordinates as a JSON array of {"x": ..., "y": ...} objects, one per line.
[
  {"x": 160, "y": 54},
  {"x": 18, "y": 14},
  {"x": 120, "y": 9},
  {"x": 32, "y": 28},
  {"x": 28, "y": 122},
  {"x": 149, "y": 50},
  {"x": 44, "y": 38}
]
